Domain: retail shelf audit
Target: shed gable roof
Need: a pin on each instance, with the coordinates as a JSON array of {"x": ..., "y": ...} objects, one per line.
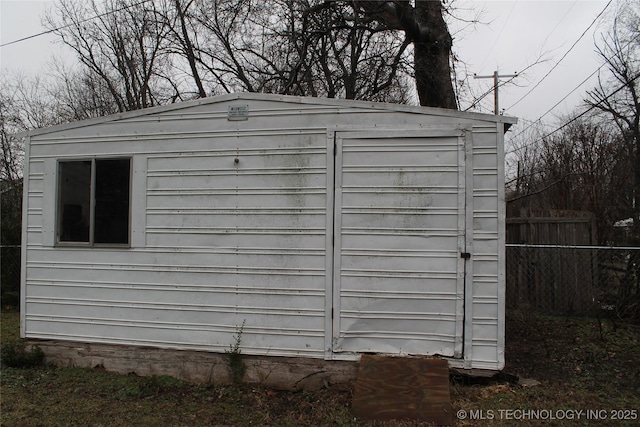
[{"x": 301, "y": 100}]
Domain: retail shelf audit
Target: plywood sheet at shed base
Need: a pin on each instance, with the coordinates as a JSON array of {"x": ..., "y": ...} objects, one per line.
[{"x": 410, "y": 388}]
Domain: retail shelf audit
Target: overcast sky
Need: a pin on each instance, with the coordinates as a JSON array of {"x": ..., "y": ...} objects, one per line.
[{"x": 514, "y": 35}]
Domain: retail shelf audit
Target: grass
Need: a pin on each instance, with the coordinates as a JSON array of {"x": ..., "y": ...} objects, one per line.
[
  {"x": 579, "y": 366},
  {"x": 73, "y": 396},
  {"x": 9, "y": 326}
]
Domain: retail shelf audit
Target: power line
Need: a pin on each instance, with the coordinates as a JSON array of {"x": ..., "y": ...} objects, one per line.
[
  {"x": 500, "y": 84},
  {"x": 567, "y": 95},
  {"x": 592, "y": 107},
  {"x": 559, "y": 102},
  {"x": 31, "y": 37},
  {"x": 74, "y": 23},
  {"x": 476, "y": 102},
  {"x": 552, "y": 31},
  {"x": 560, "y": 21},
  {"x": 563, "y": 56},
  {"x": 506, "y": 21},
  {"x": 496, "y": 85}
]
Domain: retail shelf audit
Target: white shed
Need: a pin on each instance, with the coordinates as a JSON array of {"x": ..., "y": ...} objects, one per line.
[{"x": 328, "y": 228}]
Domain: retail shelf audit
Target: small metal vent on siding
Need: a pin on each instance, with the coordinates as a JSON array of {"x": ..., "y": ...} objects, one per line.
[{"x": 238, "y": 112}]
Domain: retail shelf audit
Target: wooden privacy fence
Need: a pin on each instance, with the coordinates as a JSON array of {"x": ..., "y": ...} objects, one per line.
[
  {"x": 542, "y": 270},
  {"x": 565, "y": 228}
]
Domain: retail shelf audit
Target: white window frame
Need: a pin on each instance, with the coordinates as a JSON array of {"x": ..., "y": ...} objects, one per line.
[{"x": 92, "y": 202}]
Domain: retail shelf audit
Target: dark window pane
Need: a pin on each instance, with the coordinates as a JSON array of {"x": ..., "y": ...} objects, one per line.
[
  {"x": 112, "y": 201},
  {"x": 74, "y": 203}
]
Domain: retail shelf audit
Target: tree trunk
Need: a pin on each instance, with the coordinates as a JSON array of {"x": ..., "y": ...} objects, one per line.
[
  {"x": 424, "y": 25},
  {"x": 432, "y": 55}
]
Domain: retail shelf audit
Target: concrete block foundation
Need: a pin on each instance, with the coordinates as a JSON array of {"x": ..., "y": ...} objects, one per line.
[{"x": 285, "y": 373}]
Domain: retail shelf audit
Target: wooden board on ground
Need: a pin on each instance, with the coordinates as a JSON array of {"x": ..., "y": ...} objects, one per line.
[{"x": 411, "y": 388}]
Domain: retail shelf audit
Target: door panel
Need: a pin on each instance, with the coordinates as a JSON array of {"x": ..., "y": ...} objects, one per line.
[{"x": 399, "y": 231}]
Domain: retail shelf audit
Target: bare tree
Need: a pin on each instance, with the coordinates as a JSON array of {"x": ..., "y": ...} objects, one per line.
[
  {"x": 11, "y": 122},
  {"x": 583, "y": 167},
  {"x": 618, "y": 97},
  {"x": 593, "y": 162},
  {"x": 522, "y": 167},
  {"x": 142, "y": 51},
  {"x": 618, "y": 94},
  {"x": 353, "y": 50},
  {"x": 423, "y": 24},
  {"x": 183, "y": 38},
  {"x": 79, "y": 94},
  {"x": 122, "y": 43}
]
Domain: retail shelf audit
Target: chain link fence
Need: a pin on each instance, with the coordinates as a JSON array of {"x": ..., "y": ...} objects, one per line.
[
  {"x": 574, "y": 280},
  {"x": 10, "y": 275}
]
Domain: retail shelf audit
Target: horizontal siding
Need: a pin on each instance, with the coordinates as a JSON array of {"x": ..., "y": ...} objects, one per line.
[
  {"x": 35, "y": 202},
  {"x": 485, "y": 314},
  {"x": 398, "y": 235},
  {"x": 225, "y": 242}
]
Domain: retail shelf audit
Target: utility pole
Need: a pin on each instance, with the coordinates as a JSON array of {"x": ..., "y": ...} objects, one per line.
[{"x": 495, "y": 77}]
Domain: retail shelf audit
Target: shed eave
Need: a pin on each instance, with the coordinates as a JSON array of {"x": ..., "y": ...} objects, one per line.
[{"x": 331, "y": 102}]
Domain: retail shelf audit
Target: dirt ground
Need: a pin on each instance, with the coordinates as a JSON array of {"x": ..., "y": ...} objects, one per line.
[
  {"x": 566, "y": 366},
  {"x": 553, "y": 349}
]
